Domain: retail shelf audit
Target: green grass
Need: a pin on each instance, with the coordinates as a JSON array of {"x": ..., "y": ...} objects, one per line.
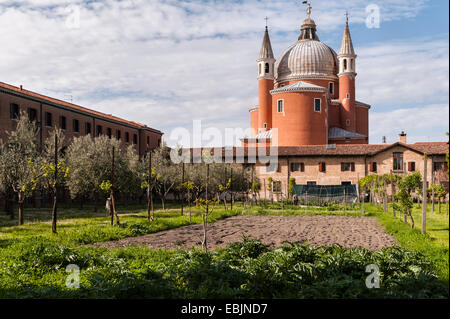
[
  {"x": 248, "y": 269},
  {"x": 77, "y": 227},
  {"x": 33, "y": 260},
  {"x": 434, "y": 244}
]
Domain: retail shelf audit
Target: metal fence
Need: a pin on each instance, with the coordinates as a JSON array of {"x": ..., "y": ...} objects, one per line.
[{"x": 327, "y": 193}]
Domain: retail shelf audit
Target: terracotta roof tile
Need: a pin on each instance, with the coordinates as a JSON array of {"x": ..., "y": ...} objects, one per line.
[{"x": 437, "y": 148}]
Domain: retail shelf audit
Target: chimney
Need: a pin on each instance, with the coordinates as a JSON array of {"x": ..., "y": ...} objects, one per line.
[
  {"x": 384, "y": 139},
  {"x": 402, "y": 137},
  {"x": 21, "y": 87}
]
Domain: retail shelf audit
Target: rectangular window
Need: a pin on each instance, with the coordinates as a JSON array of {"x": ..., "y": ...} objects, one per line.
[
  {"x": 311, "y": 183},
  {"x": 331, "y": 88},
  {"x": 109, "y": 132},
  {"x": 412, "y": 166},
  {"x": 322, "y": 167},
  {"x": 297, "y": 167},
  {"x": 76, "y": 126},
  {"x": 346, "y": 183},
  {"x": 438, "y": 166},
  {"x": 62, "y": 122},
  {"x": 32, "y": 115},
  {"x": 14, "y": 113},
  {"x": 99, "y": 130},
  {"x": 48, "y": 119},
  {"x": 127, "y": 137},
  {"x": 276, "y": 186},
  {"x": 119, "y": 134},
  {"x": 397, "y": 161},
  {"x": 280, "y": 106},
  {"x": 135, "y": 139},
  {"x": 88, "y": 128},
  {"x": 148, "y": 140},
  {"x": 317, "y": 105},
  {"x": 272, "y": 167},
  {"x": 347, "y": 167},
  {"x": 373, "y": 167}
]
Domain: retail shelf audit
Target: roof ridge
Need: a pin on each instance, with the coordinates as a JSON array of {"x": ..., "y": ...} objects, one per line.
[{"x": 21, "y": 90}]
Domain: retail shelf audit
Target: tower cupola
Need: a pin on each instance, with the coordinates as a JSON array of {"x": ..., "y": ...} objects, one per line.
[
  {"x": 266, "y": 60},
  {"x": 347, "y": 56}
]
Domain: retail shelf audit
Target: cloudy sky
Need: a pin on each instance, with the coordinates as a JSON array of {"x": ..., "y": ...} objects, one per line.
[{"x": 167, "y": 63}]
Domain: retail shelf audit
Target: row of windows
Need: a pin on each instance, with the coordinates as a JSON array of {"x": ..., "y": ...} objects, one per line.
[
  {"x": 276, "y": 185},
  {"x": 48, "y": 119},
  {"x": 351, "y": 166},
  {"x": 398, "y": 163},
  {"x": 317, "y": 105}
]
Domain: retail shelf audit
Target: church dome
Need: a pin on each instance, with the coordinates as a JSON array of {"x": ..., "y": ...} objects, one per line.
[{"x": 306, "y": 58}]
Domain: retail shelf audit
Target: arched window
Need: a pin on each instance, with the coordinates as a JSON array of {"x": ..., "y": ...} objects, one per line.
[
  {"x": 345, "y": 64},
  {"x": 259, "y": 69},
  {"x": 351, "y": 64},
  {"x": 267, "y": 68}
]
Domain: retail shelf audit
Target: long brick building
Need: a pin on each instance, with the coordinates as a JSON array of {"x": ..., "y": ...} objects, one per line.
[{"x": 75, "y": 120}]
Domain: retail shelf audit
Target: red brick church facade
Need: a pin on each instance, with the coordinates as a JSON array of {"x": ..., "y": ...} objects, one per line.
[{"x": 307, "y": 96}]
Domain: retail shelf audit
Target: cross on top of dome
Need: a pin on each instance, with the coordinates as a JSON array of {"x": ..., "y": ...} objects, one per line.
[{"x": 308, "y": 8}]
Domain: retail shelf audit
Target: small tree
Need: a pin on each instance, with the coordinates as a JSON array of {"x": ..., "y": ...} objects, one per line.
[
  {"x": 407, "y": 185},
  {"x": 55, "y": 171},
  {"x": 440, "y": 192},
  {"x": 168, "y": 172},
  {"x": 223, "y": 190},
  {"x": 148, "y": 183},
  {"x": 188, "y": 186},
  {"x": 270, "y": 188},
  {"x": 21, "y": 161},
  {"x": 256, "y": 188},
  {"x": 291, "y": 187}
]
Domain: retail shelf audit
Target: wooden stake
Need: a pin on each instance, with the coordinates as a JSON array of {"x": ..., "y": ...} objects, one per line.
[
  {"x": 424, "y": 195},
  {"x": 55, "y": 199}
]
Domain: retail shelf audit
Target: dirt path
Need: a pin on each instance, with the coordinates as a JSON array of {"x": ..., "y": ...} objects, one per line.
[{"x": 273, "y": 230}]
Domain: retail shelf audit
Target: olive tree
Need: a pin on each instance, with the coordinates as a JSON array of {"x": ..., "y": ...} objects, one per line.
[
  {"x": 21, "y": 161},
  {"x": 167, "y": 171},
  {"x": 98, "y": 164},
  {"x": 54, "y": 168},
  {"x": 408, "y": 184}
]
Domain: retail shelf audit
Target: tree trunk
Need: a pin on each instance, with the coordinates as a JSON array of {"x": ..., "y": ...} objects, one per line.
[
  {"x": 149, "y": 204},
  {"x": 412, "y": 220},
  {"x": 385, "y": 203},
  {"x": 55, "y": 195},
  {"x": 163, "y": 203},
  {"x": 190, "y": 213},
  {"x": 205, "y": 215},
  {"x": 424, "y": 192},
  {"x": 54, "y": 213},
  {"x": 20, "y": 202},
  {"x": 182, "y": 191},
  {"x": 114, "y": 212},
  {"x": 392, "y": 194},
  {"x": 404, "y": 218}
]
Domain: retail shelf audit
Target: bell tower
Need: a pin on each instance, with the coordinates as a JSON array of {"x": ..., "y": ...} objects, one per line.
[
  {"x": 347, "y": 77},
  {"x": 266, "y": 63}
]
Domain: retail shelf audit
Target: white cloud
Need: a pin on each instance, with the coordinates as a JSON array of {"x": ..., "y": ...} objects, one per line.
[
  {"x": 165, "y": 63},
  {"x": 402, "y": 73},
  {"x": 428, "y": 123}
]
